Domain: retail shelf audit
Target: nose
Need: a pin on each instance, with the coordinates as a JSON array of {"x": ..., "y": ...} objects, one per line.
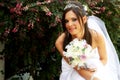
[{"x": 70, "y": 23}]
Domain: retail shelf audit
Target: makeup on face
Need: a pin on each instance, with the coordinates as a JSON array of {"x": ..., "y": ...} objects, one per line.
[{"x": 72, "y": 24}]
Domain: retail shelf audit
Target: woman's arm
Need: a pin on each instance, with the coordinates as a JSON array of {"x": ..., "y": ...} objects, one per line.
[
  {"x": 85, "y": 73},
  {"x": 59, "y": 45},
  {"x": 101, "y": 48}
]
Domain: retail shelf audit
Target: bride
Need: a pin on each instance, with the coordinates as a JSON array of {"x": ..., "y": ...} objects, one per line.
[{"x": 77, "y": 25}]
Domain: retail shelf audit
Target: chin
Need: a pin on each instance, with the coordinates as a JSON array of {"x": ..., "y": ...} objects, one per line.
[{"x": 73, "y": 34}]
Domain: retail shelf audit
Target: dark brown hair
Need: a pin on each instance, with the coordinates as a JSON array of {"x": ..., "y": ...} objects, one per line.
[{"x": 80, "y": 12}]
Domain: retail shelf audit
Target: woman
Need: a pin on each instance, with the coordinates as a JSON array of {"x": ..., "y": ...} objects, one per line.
[{"x": 75, "y": 25}]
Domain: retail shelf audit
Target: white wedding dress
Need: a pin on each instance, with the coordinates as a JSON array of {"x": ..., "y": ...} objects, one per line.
[{"x": 110, "y": 71}]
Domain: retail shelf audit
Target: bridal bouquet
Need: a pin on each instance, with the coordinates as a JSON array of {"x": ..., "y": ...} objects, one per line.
[{"x": 77, "y": 52}]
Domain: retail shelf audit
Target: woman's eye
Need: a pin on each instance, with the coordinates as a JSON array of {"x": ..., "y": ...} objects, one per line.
[
  {"x": 74, "y": 19},
  {"x": 66, "y": 21}
]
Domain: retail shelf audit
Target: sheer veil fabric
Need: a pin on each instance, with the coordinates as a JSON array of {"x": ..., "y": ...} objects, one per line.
[{"x": 113, "y": 64}]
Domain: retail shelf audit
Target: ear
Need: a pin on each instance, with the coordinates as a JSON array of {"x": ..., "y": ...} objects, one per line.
[{"x": 85, "y": 19}]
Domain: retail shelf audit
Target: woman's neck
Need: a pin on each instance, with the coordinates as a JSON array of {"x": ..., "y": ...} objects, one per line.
[{"x": 79, "y": 36}]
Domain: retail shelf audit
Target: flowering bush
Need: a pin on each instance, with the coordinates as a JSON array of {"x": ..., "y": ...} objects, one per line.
[{"x": 28, "y": 29}]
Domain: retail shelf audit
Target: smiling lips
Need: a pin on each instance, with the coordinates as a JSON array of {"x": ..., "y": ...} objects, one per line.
[{"x": 72, "y": 29}]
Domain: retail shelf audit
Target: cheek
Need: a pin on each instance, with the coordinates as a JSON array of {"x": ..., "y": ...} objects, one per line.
[{"x": 66, "y": 26}]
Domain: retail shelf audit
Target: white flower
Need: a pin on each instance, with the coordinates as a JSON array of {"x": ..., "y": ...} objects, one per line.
[
  {"x": 78, "y": 51},
  {"x": 85, "y": 7}
]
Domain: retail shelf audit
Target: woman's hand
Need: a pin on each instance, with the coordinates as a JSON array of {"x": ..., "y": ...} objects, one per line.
[
  {"x": 89, "y": 69},
  {"x": 92, "y": 70},
  {"x": 87, "y": 73}
]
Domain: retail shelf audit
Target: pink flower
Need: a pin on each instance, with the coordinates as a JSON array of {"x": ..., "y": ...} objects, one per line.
[
  {"x": 52, "y": 25},
  {"x": 38, "y": 19},
  {"x": 21, "y": 22},
  {"x": 57, "y": 19},
  {"x": 109, "y": 13},
  {"x": 1, "y": 4},
  {"x": 7, "y": 31},
  {"x": 48, "y": 13},
  {"x": 12, "y": 10},
  {"x": 102, "y": 9},
  {"x": 83, "y": 57},
  {"x": 38, "y": 3},
  {"x": 18, "y": 5},
  {"x": 17, "y": 9},
  {"x": 25, "y": 8},
  {"x": 92, "y": 5},
  {"x": 49, "y": 1},
  {"x": 15, "y": 29},
  {"x": 30, "y": 25}
]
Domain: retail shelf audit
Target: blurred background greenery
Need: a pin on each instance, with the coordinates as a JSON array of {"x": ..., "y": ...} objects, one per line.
[{"x": 29, "y": 28}]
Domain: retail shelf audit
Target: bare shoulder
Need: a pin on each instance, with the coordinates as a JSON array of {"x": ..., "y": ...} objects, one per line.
[
  {"x": 60, "y": 39},
  {"x": 97, "y": 38},
  {"x": 62, "y": 35}
]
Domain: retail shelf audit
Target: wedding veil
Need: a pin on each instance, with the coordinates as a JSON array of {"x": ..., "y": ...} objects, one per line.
[{"x": 113, "y": 60}]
